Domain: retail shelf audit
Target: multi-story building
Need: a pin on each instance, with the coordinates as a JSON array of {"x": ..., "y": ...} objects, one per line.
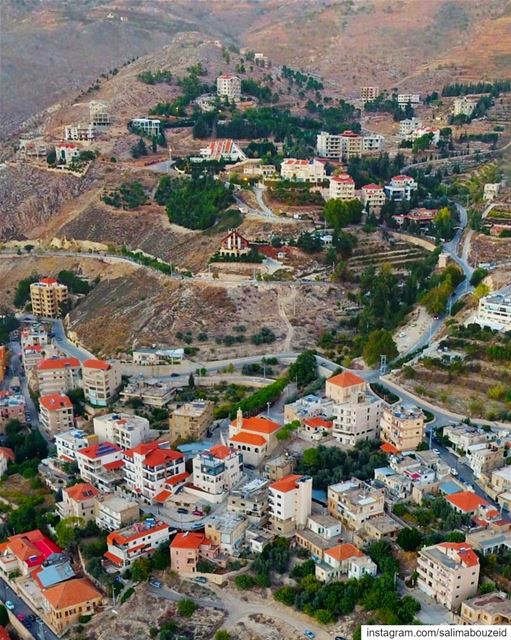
[
  {"x": 250, "y": 500},
  {"x": 66, "y": 602},
  {"x": 78, "y": 501},
  {"x": 101, "y": 381},
  {"x": 346, "y": 145},
  {"x": 191, "y": 421},
  {"x": 328, "y": 145},
  {"x": 373, "y": 197},
  {"x": 495, "y": 310},
  {"x": 464, "y": 106},
  {"x": 48, "y": 297},
  {"x": 279, "y": 467},
  {"x": 30, "y": 356},
  {"x": 99, "y": 115},
  {"x": 227, "y": 532},
  {"x": 402, "y": 427},
  {"x": 229, "y": 86},
  {"x": 356, "y": 412},
  {"x": 352, "y": 145},
  {"x": 6, "y": 456},
  {"x": 408, "y": 98},
  {"x": 34, "y": 334},
  {"x": 58, "y": 375},
  {"x": 101, "y": 465},
  {"x": 448, "y": 572},
  {"x": 367, "y": 94},
  {"x": 33, "y": 148},
  {"x": 491, "y": 608},
  {"x": 149, "y": 126},
  {"x": 217, "y": 470},
  {"x": 234, "y": 244},
  {"x": 400, "y": 188},
  {"x": 354, "y": 502},
  {"x": 373, "y": 143},
  {"x": 153, "y": 471},
  {"x": 290, "y": 503},
  {"x": 186, "y": 549},
  {"x": 123, "y": 429},
  {"x": 433, "y": 132},
  {"x": 135, "y": 541},
  {"x": 485, "y": 457},
  {"x": 12, "y": 407},
  {"x": 69, "y": 442},
  {"x": 342, "y": 187},
  {"x": 408, "y": 126},
  {"x": 463, "y": 436},
  {"x": 344, "y": 559},
  {"x": 24, "y": 552},
  {"x": 66, "y": 153},
  {"x": 56, "y": 413},
  {"x": 151, "y": 391},
  {"x": 82, "y": 131},
  {"x": 255, "y": 438},
  {"x": 113, "y": 512},
  {"x": 302, "y": 170}
]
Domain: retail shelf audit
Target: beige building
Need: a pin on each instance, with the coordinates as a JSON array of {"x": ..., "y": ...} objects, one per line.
[
  {"x": 78, "y": 501},
  {"x": 251, "y": 501},
  {"x": 229, "y": 86},
  {"x": 290, "y": 503},
  {"x": 67, "y": 601},
  {"x": 227, "y": 532},
  {"x": 369, "y": 93},
  {"x": 56, "y": 413},
  {"x": 255, "y": 438},
  {"x": 48, "y": 298},
  {"x": 217, "y": 470},
  {"x": 464, "y": 106},
  {"x": 373, "y": 197},
  {"x": 280, "y": 467},
  {"x": 113, "y": 512},
  {"x": 58, "y": 375},
  {"x": 101, "y": 381},
  {"x": 354, "y": 502},
  {"x": 448, "y": 572},
  {"x": 302, "y": 170},
  {"x": 123, "y": 429},
  {"x": 483, "y": 458},
  {"x": 492, "y": 608},
  {"x": 191, "y": 421},
  {"x": 402, "y": 427},
  {"x": 342, "y": 187}
]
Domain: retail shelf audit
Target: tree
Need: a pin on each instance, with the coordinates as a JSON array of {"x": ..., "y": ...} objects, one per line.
[
  {"x": 304, "y": 369},
  {"x": 160, "y": 559},
  {"x": 222, "y": 634},
  {"x": 487, "y": 587},
  {"x": 341, "y": 213},
  {"x": 66, "y": 531},
  {"x": 379, "y": 342},
  {"x": 186, "y": 608},
  {"x": 444, "y": 223},
  {"x": 141, "y": 569},
  {"x": 409, "y": 539},
  {"x": 244, "y": 582},
  {"x": 191, "y": 381},
  {"x": 4, "y": 616}
]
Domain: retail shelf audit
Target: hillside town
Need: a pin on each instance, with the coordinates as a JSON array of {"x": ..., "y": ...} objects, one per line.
[{"x": 296, "y": 421}]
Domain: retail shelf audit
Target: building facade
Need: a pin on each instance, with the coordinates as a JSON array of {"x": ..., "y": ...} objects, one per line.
[
  {"x": 123, "y": 429},
  {"x": 290, "y": 503},
  {"x": 229, "y": 86},
  {"x": 101, "y": 381},
  {"x": 48, "y": 298},
  {"x": 217, "y": 470},
  {"x": 402, "y": 427},
  {"x": 58, "y": 375},
  {"x": 342, "y": 187},
  {"x": 56, "y": 413},
  {"x": 354, "y": 502},
  {"x": 191, "y": 421}
]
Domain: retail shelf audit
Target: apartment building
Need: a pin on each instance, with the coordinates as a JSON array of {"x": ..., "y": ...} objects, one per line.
[
  {"x": 24, "y": 552},
  {"x": 101, "y": 381},
  {"x": 78, "y": 501},
  {"x": 12, "y": 407},
  {"x": 58, "y": 375},
  {"x": 82, "y": 131},
  {"x": 290, "y": 503},
  {"x": 151, "y": 391},
  {"x": 255, "y": 438},
  {"x": 483, "y": 458},
  {"x": 491, "y": 608},
  {"x": 227, "y": 532},
  {"x": 251, "y": 501},
  {"x": 400, "y": 188},
  {"x": 229, "y": 86},
  {"x": 302, "y": 170},
  {"x": 48, "y": 298},
  {"x": 153, "y": 471},
  {"x": 402, "y": 427},
  {"x": 101, "y": 465},
  {"x": 464, "y": 436},
  {"x": 408, "y": 98},
  {"x": 149, "y": 126},
  {"x": 448, "y": 572},
  {"x": 464, "y": 106},
  {"x": 354, "y": 502},
  {"x": 66, "y": 602},
  {"x": 373, "y": 143},
  {"x": 69, "y": 442},
  {"x": 191, "y": 421},
  {"x": 186, "y": 549},
  {"x": 344, "y": 559},
  {"x": 113, "y": 512},
  {"x": 494, "y": 311},
  {"x": 135, "y": 541},
  {"x": 56, "y": 413},
  {"x": 33, "y": 148},
  {"x": 34, "y": 334},
  {"x": 342, "y": 187},
  {"x": 217, "y": 470},
  {"x": 123, "y": 429},
  {"x": 373, "y": 197},
  {"x": 66, "y": 153},
  {"x": 356, "y": 413},
  {"x": 408, "y": 126},
  {"x": 367, "y": 94},
  {"x": 99, "y": 115},
  {"x": 30, "y": 356}
]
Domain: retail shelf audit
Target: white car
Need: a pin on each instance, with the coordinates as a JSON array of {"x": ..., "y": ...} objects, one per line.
[
  {"x": 436, "y": 451},
  {"x": 454, "y": 472}
]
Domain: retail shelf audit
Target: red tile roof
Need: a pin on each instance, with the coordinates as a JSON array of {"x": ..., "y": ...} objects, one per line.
[
  {"x": 372, "y": 187},
  {"x": 177, "y": 479},
  {"x": 92, "y": 363},
  {"x": 81, "y": 491},
  {"x": 286, "y": 484},
  {"x": 55, "y": 401},
  {"x": 220, "y": 451},
  {"x": 386, "y": 447},
  {"x": 113, "y": 558},
  {"x": 189, "y": 540},
  {"x": 342, "y": 552},
  {"x": 464, "y": 551},
  {"x": 32, "y": 547},
  {"x": 154, "y": 453},
  {"x": 343, "y": 177},
  {"x": 57, "y": 363},
  {"x": 48, "y": 281},
  {"x": 318, "y": 423},
  {"x": 260, "y": 424},
  {"x": 162, "y": 496},
  {"x": 346, "y": 379},
  {"x": 5, "y": 452},
  {"x": 466, "y": 501},
  {"x": 99, "y": 450},
  {"x": 248, "y": 438},
  {"x": 71, "y": 593}
]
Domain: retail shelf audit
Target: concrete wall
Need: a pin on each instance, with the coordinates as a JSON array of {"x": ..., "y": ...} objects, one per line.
[{"x": 419, "y": 242}]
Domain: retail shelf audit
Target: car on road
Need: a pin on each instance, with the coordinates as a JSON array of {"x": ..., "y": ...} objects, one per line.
[
  {"x": 174, "y": 375},
  {"x": 9, "y": 605},
  {"x": 436, "y": 451},
  {"x": 197, "y": 512},
  {"x": 200, "y": 580},
  {"x": 453, "y": 472},
  {"x": 340, "y": 638},
  {"x": 21, "y": 617},
  {"x": 249, "y": 466},
  {"x": 182, "y": 510},
  {"x": 309, "y": 634},
  {"x": 469, "y": 487},
  {"x": 155, "y": 583}
]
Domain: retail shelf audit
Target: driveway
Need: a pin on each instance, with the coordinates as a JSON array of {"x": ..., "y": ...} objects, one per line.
[{"x": 431, "y": 612}]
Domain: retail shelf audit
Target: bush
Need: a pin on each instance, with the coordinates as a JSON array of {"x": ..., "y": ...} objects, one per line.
[
  {"x": 265, "y": 336},
  {"x": 244, "y": 582},
  {"x": 409, "y": 539},
  {"x": 186, "y": 608}
]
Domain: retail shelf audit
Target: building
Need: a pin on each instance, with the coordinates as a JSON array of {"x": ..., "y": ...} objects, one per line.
[
  {"x": 491, "y": 191},
  {"x": 123, "y": 429},
  {"x": 398, "y": 485},
  {"x": 153, "y": 356},
  {"x": 58, "y": 375},
  {"x": 490, "y": 540},
  {"x": 251, "y": 501},
  {"x": 33, "y": 148},
  {"x": 3, "y": 361},
  {"x": 25, "y": 551},
  {"x": 357, "y": 413},
  {"x": 463, "y": 436},
  {"x": 113, "y": 512},
  {"x": 6, "y": 456},
  {"x": 153, "y": 471},
  {"x": 255, "y": 438},
  {"x": 56, "y": 413},
  {"x": 466, "y": 502},
  {"x": 344, "y": 559},
  {"x": 12, "y": 407},
  {"x": 34, "y": 335},
  {"x": 217, "y": 470},
  {"x": 83, "y": 131},
  {"x": 309, "y": 406},
  {"x": 66, "y": 153},
  {"x": 151, "y": 391},
  {"x": 101, "y": 381},
  {"x": 408, "y": 126},
  {"x": 402, "y": 427},
  {"x": 420, "y": 216},
  {"x": 229, "y": 86},
  {"x": 69, "y": 442},
  {"x": 355, "y": 502},
  {"x": 135, "y": 541},
  {"x": 373, "y": 143},
  {"x": 408, "y": 98},
  {"x": 342, "y": 187},
  {"x": 191, "y": 421},
  {"x": 302, "y": 170},
  {"x": 400, "y": 188},
  {"x": 48, "y": 297},
  {"x": 99, "y": 116},
  {"x": 373, "y": 197},
  {"x": 279, "y": 467},
  {"x": 66, "y": 602},
  {"x": 448, "y": 572},
  {"x": 494, "y": 311},
  {"x": 186, "y": 549},
  {"x": 290, "y": 503},
  {"x": 434, "y": 132},
  {"x": 30, "y": 356},
  {"x": 318, "y": 535},
  {"x": 222, "y": 149},
  {"x": 148, "y": 126},
  {"x": 227, "y": 532},
  {"x": 316, "y": 428},
  {"x": 234, "y": 244},
  {"x": 101, "y": 465},
  {"x": 367, "y": 94},
  {"x": 78, "y": 501},
  {"x": 483, "y": 458},
  {"x": 328, "y": 145},
  {"x": 501, "y": 480},
  {"x": 491, "y": 608},
  {"x": 464, "y": 106}
]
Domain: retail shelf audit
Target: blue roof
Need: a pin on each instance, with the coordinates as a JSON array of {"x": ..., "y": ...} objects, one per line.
[
  {"x": 449, "y": 487},
  {"x": 386, "y": 471},
  {"x": 55, "y": 573}
]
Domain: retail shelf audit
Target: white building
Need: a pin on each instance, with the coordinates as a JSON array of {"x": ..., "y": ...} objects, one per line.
[
  {"x": 290, "y": 503},
  {"x": 408, "y": 126},
  {"x": 342, "y": 187},
  {"x": 101, "y": 465},
  {"x": 149, "y": 126},
  {"x": 58, "y": 375},
  {"x": 424, "y": 131},
  {"x": 408, "y": 98},
  {"x": 229, "y": 86},
  {"x": 123, "y": 429},
  {"x": 302, "y": 170},
  {"x": 151, "y": 391},
  {"x": 373, "y": 197},
  {"x": 217, "y": 470},
  {"x": 400, "y": 188},
  {"x": 373, "y": 142},
  {"x": 491, "y": 191},
  {"x": 346, "y": 145},
  {"x": 135, "y": 541},
  {"x": 328, "y": 145},
  {"x": 69, "y": 442},
  {"x": 113, "y": 512},
  {"x": 222, "y": 149},
  {"x": 66, "y": 152},
  {"x": 344, "y": 559},
  {"x": 151, "y": 356},
  {"x": 354, "y": 502},
  {"x": 80, "y": 132},
  {"x": 464, "y": 106},
  {"x": 495, "y": 310},
  {"x": 99, "y": 115}
]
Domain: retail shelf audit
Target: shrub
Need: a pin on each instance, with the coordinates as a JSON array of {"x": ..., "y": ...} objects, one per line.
[
  {"x": 186, "y": 608},
  {"x": 244, "y": 582}
]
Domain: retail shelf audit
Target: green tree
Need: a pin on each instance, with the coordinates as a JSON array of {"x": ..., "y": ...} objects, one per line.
[
  {"x": 66, "y": 531},
  {"x": 186, "y": 608},
  {"x": 141, "y": 569},
  {"x": 379, "y": 342},
  {"x": 160, "y": 559},
  {"x": 244, "y": 582},
  {"x": 304, "y": 369},
  {"x": 409, "y": 539},
  {"x": 4, "y": 616},
  {"x": 222, "y": 634},
  {"x": 444, "y": 223}
]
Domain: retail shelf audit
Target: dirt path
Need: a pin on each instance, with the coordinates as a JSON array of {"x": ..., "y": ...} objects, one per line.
[{"x": 287, "y": 297}]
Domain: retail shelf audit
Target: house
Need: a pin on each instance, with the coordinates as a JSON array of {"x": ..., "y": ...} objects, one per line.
[
  {"x": 484, "y": 457},
  {"x": 123, "y": 429},
  {"x": 373, "y": 197},
  {"x": 464, "y": 106},
  {"x": 466, "y": 502},
  {"x": 151, "y": 356},
  {"x": 191, "y": 421},
  {"x": 316, "y": 428},
  {"x": 217, "y": 470},
  {"x": 491, "y": 191},
  {"x": 400, "y": 188},
  {"x": 306, "y": 407},
  {"x": 491, "y": 608},
  {"x": 78, "y": 501},
  {"x": 6, "y": 456},
  {"x": 113, "y": 512},
  {"x": 419, "y": 216},
  {"x": 433, "y": 132},
  {"x": 302, "y": 170},
  {"x": 222, "y": 149},
  {"x": 101, "y": 381},
  {"x": 69, "y": 442},
  {"x": 381, "y": 527},
  {"x": 58, "y": 375},
  {"x": 448, "y": 572},
  {"x": 101, "y": 465},
  {"x": 56, "y": 413},
  {"x": 48, "y": 298},
  {"x": 402, "y": 426},
  {"x": 26, "y": 551},
  {"x": 290, "y": 503},
  {"x": 227, "y": 532},
  {"x": 82, "y": 131},
  {"x": 229, "y": 86},
  {"x": 398, "y": 485},
  {"x": 12, "y": 407},
  {"x": 279, "y": 467},
  {"x": 98, "y": 112},
  {"x": 463, "y": 436},
  {"x": 354, "y": 502},
  {"x": 135, "y": 541},
  {"x": 234, "y": 244},
  {"x": 67, "y": 602},
  {"x": 251, "y": 501},
  {"x": 342, "y": 187},
  {"x": 153, "y": 471},
  {"x": 408, "y": 98},
  {"x": 344, "y": 559},
  {"x": 489, "y": 542},
  {"x": 254, "y": 438},
  {"x": 66, "y": 153},
  {"x": 318, "y": 535},
  {"x": 494, "y": 310},
  {"x": 33, "y": 148},
  {"x": 367, "y": 94},
  {"x": 186, "y": 549},
  {"x": 152, "y": 392},
  {"x": 148, "y": 126},
  {"x": 408, "y": 126}
]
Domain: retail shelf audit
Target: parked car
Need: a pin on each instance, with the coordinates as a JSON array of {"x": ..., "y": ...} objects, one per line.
[
  {"x": 155, "y": 583},
  {"x": 197, "y": 512},
  {"x": 249, "y": 466},
  {"x": 21, "y": 617},
  {"x": 182, "y": 510},
  {"x": 454, "y": 472},
  {"x": 309, "y": 634},
  {"x": 436, "y": 451},
  {"x": 9, "y": 605},
  {"x": 200, "y": 580}
]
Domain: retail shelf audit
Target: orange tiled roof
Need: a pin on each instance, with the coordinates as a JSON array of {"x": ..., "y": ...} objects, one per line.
[
  {"x": 93, "y": 363},
  {"x": 54, "y": 401},
  {"x": 342, "y": 552},
  {"x": 188, "y": 540},
  {"x": 260, "y": 424},
  {"x": 162, "y": 496},
  {"x": 71, "y": 592},
  {"x": 465, "y": 552},
  {"x": 220, "y": 451},
  {"x": 57, "y": 363},
  {"x": 48, "y": 281},
  {"x": 248, "y": 438},
  {"x": 318, "y": 422},
  {"x": 466, "y": 501},
  {"x": 81, "y": 491},
  {"x": 286, "y": 484},
  {"x": 346, "y": 379},
  {"x": 5, "y": 452},
  {"x": 177, "y": 479},
  {"x": 386, "y": 447}
]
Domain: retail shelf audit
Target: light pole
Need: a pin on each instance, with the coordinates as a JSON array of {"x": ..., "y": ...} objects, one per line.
[{"x": 268, "y": 409}]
